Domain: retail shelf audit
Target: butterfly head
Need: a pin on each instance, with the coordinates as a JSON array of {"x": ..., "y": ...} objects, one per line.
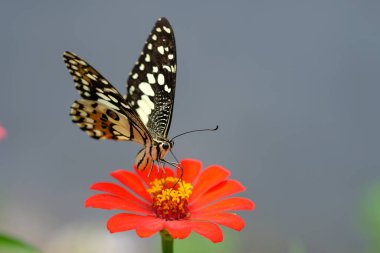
[{"x": 163, "y": 147}]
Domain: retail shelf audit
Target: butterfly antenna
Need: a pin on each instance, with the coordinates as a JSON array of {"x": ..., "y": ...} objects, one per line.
[
  {"x": 198, "y": 130},
  {"x": 179, "y": 167}
]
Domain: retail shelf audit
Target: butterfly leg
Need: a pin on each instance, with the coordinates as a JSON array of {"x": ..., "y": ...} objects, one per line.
[
  {"x": 177, "y": 165},
  {"x": 151, "y": 168}
]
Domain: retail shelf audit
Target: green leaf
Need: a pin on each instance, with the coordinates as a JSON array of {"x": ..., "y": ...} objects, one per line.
[
  {"x": 10, "y": 244},
  {"x": 371, "y": 216}
]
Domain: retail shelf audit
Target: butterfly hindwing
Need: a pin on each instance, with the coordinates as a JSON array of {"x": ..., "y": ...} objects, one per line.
[
  {"x": 101, "y": 122},
  {"x": 151, "y": 84},
  {"x": 102, "y": 113}
]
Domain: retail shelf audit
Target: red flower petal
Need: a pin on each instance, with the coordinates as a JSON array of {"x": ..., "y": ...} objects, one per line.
[
  {"x": 230, "y": 220},
  {"x": 142, "y": 174},
  {"x": 178, "y": 229},
  {"x": 133, "y": 182},
  {"x": 210, "y": 177},
  {"x": 230, "y": 204},
  {"x": 110, "y": 202},
  {"x": 208, "y": 230},
  {"x": 125, "y": 221},
  {"x": 119, "y": 192},
  {"x": 208, "y": 205},
  {"x": 191, "y": 170},
  {"x": 224, "y": 189},
  {"x": 149, "y": 226}
]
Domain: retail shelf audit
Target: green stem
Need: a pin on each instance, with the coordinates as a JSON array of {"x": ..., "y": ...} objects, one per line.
[{"x": 167, "y": 242}]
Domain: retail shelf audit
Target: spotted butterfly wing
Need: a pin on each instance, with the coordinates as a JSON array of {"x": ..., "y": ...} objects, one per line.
[
  {"x": 145, "y": 115},
  {"x": 151, "y": 84},
  {"x": 103, "y": 112}
]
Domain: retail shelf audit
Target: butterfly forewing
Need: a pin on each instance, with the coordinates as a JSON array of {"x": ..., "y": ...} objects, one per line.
[
  {"x": 102, "y": 113},
  {"x": 151, "y": 84}
]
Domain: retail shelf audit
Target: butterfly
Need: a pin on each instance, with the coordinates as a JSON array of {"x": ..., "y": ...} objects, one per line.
[{"x": 145, "y": 113}]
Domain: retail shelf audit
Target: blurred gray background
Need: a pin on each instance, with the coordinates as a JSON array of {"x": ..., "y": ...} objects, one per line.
[{"x": 293, "y": 85}]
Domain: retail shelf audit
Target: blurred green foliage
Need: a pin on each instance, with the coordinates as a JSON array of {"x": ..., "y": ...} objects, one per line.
[
  {"x": 198, "y": 244},
  {"x": 12, "y": 245},
  {"x": 370, "y": 217}
]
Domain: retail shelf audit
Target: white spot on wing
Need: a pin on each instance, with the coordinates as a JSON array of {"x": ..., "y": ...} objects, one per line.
[
  {"x": 160, "y": 49},
  {"x": 102, "y": 96},
  {"x": 145, "y": 104},
  {"x": 167, "y": 29},
  {"x": 154, "y": 37},
  {"x": 146, "y": 89},
  {"x": 82, "y": 62},
  {"x": 135, "y": 75},
  {"x": 155, "y": 69},
  {"x": 108, "y": 104},
  {"x": 93, "y": 77},
  {"x": 143, "y": 116},
  {"x": 151, "y": 78},
  {"x": 131, "y": 89},
  {"x": 161, "y": 79},
  {"x": 148, "y": 101},
  {"x": 170, "y": 56},
  {"x": 142, "y": 66},
  {"x": 73, "y": 62},
  {"x": 167, "y": 68},
  {"x": 167, "y": 89},
  {"x": 150, "y": 46},
  {"x": 124, "y": 105},
  {"x": 113, "y": 99},
  {"x": 147, "y": 58}
]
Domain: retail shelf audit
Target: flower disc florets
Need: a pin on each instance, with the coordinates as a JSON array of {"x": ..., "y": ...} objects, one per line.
[{"x": 170, "y": 198}]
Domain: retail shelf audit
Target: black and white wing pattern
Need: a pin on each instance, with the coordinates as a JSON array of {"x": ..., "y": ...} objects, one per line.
[
  {"x": 151, "y": 84},
  {"x": 102, "y": 113}
]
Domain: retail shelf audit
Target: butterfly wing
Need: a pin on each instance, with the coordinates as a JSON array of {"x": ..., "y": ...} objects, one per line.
[
  {"x": 151, "y": 84},
  {"x": 102, "y": 113},
  {"x": 101, "y": 122}
]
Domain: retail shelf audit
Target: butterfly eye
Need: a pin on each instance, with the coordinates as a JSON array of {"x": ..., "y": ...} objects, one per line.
[{"x": 165, "y": 145}]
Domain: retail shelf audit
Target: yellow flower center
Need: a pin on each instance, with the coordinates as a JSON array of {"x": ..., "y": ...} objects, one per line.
[{"x": 170, "y": 198}]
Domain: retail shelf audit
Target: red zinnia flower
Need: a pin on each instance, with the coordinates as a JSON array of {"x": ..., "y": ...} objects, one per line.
[
  {"x": 200, "y": 202},
  {"x": 3, "y": 132}
]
